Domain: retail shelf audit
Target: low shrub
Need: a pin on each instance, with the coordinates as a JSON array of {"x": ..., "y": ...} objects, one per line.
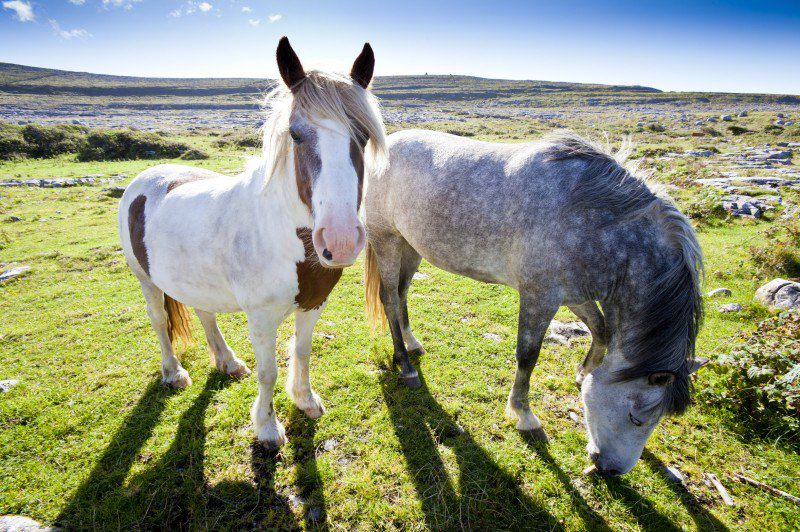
[
  {"x": 115, "y": 145},
  {"x": 461, "y": 133},
  {"x": 759, "y": 379},
  {"x": 710, "y": 131},
  {"x": 780, "y": 255},
  {"x": 738, "y": 130},
  {"x": 773, "y": 129},
  {"x": 194, "y": 155},
  {"x": 656, "y": 128},
  {"x": 706, "y": 205},
  {"x": 12, "y": 145},
  {"x": 240, "y": 139},
  {"x": 38, "y": 141}
]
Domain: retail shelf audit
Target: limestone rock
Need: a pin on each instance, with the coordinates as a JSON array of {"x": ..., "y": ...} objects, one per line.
[
  {"x": 13, "y": 273},
  {"x": 779, "y": 293},
  {"x": 731, "y": 307},
  {"x": 20, "y": 523},
  {"x": 6, "y": 386},
  {"x": 719, "y": 292}
]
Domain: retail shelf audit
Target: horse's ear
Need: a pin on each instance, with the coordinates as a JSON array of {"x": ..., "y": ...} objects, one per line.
[
  {"x": 289, "y": 64},
  {"x": 364, "y": 66},
  {"x": 661, "y": 378},
  {"x": 697, "y": 363}
]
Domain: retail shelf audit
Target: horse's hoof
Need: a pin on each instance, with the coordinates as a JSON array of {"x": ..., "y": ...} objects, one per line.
[
  {"x": 180, "y": 380},
  {"x": 536, "y": 435},
  {"x": 272, "y": 439},
  {"x": 239, "y": 372},
  {"x": 272, "y": 445},
  {"x": 315, "y": 409},
  {"x": 412, "y": 381}
]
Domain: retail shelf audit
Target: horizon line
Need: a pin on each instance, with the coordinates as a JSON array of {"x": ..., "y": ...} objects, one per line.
[{"x": 408, "y": 75}]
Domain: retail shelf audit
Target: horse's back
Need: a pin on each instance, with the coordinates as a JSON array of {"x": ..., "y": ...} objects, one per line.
[{"x": 463, "y": 204}]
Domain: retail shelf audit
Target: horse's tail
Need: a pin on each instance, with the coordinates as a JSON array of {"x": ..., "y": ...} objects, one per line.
[
  {"x": 179, "y": 321},
  {"x": 372, "y": 286}
]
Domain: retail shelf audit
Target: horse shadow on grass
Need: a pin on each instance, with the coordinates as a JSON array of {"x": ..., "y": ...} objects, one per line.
[
  {"x": 487, "y": 497},
  {"x": 174, "y": 493}
]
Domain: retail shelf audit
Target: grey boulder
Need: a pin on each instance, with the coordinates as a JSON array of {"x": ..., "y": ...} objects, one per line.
[{"x": 779, "y": 293}]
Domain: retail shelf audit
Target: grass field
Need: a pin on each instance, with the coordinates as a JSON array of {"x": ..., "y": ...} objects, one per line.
[{"x": 89, "y": 438}]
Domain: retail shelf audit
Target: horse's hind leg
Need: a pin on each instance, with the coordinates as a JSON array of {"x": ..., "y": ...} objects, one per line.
[
  {"x": 298, "y": 383},
  {"x": 590, "y": 314},
  {"x": 389, "y": 254},
  {"x": 224, "y": 358},
  {"x": 408, "y": 267},
  {"x": 172, "y": 373},
  {"x": 535, "y": 313}
]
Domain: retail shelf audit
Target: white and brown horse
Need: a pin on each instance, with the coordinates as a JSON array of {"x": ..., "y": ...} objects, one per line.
[{"x": 269, "y": 242}]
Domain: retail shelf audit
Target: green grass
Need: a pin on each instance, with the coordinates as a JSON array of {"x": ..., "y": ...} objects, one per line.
[{"x": 90, "y": 438}]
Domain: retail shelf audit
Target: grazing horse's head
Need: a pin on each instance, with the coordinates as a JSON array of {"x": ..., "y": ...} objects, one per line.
[{"x": 323, "y": 123}]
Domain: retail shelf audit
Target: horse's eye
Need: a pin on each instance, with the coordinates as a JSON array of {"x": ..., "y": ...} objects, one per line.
[
  {"x": 634, "y": 420},
  {"x": 295, "y": 136}
]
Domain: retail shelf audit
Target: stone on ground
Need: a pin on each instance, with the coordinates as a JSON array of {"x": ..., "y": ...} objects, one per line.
[
  {"x": 719, "y": 292},
  {"x": 779, "y": 293},
  {"x": 20, "y": 523},
  {"x": 13, "y": 273}
]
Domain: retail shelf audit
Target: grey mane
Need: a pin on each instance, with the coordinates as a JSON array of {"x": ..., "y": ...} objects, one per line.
[{"x": 665, "y": 333}]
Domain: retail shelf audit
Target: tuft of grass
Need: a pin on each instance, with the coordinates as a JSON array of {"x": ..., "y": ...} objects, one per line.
[{"x": 738, "y": 130}]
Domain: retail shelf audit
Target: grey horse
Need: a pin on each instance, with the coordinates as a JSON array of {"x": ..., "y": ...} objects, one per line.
[{"x": 564, "y": 222}]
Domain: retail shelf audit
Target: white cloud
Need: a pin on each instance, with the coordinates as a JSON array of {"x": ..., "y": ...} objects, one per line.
[
  {"x": 275, "y": 18},
  {"x": 77, "y": 2},
  {"x": 23, "y": 10},
  {"x": 125, "y": 4},
  {"x": 205, "y": 7},
  {"x": 69, "y": 34},
  {"x": 254, "y": 22},
  {"x": 176, "y": 13},
  {"x": 247, "y": 9}
]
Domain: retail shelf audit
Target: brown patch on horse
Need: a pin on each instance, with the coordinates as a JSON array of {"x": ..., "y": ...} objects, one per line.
[
  {"x": 187, "y": 178},
  {"x": 314, "y": 281},
  {"x": 136, "y": 228},
  {"x": 357, "y": 158},
  {"x": 307, "y": 165}
]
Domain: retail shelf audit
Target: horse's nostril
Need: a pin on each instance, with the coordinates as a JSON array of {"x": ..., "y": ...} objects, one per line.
[
  {"x": 327, "y": 254},
  {"x": 611, "y": 472},
  {"x": 595, "y": 456}
]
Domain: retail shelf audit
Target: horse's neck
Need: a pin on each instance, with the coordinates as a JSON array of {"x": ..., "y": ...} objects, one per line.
[{"x": 278, "y": 198}]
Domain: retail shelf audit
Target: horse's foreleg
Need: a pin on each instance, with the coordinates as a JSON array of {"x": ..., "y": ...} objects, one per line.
[
  {"x": 590, "y": 314},
  {"x": 263, "y": 325},
  {"x": 172, "y": 373},
  {"x": 225, "y": 360},
  {"x": 298, "y": 384},
  {"x": 535, "y": 315}
]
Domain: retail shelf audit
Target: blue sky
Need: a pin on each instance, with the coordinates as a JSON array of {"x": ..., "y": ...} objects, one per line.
[{"x": 736, "y": 46}]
